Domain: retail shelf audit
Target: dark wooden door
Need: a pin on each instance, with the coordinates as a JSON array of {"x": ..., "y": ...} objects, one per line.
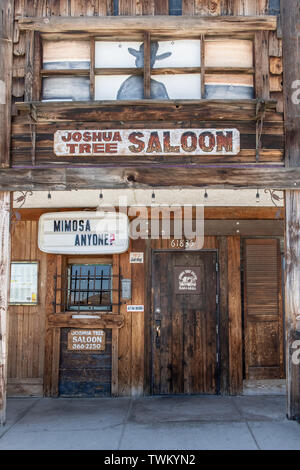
[{"x": 184, "y": 328}]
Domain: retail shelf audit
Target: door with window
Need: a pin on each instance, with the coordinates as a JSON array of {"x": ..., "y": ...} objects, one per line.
[
  {"x": 185, "y": 323},
  {"x": 85, "y": 364}
]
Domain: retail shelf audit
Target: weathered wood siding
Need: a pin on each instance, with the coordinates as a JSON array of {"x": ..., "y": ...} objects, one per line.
[
  {"x": 27, "y": 323},
  {"x": 32, "y": 144},
  {"x": 263, "y": 318},
  {"x": 35, "y": 361}
]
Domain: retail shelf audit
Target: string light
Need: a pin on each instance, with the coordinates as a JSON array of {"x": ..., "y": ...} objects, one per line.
[
  {"x": 205, "y": 195},
  {"x": 49, "y": 195},
  {"x": 153, "y": 195},
  {"x": 101, "y": 194},
  {"x": 257, "y": 197}
]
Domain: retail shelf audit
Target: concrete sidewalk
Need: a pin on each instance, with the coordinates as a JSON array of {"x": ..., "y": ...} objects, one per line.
[{"x": 154, "y": 423}]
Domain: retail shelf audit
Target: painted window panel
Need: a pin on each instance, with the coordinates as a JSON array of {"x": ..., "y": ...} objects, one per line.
[
  {"x": 66, "y": 89},
  {"x": 179, "y": 53},
  {"x": 229, "y": 87},
  {"x": 119, "y": 54},
  {"x": 229, "y": 53},
  {"x": 66, "y": 55},
  {"x": 109, "y": 87},
  {"x": 179, "y": 86}
]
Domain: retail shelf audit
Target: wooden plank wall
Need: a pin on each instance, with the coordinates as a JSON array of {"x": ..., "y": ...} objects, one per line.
[
  {"x": 27, "y": 323},
  {"x": 34, "y": 144},
  {"x": 131, "y": 335}
]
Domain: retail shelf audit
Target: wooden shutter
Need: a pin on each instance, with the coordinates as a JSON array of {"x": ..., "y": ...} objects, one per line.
[{"x": 263, "y": 322}]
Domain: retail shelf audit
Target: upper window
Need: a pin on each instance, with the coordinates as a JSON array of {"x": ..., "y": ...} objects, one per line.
[{"x": 103, "y": 69}]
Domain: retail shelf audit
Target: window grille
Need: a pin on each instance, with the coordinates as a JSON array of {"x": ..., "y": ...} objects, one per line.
[{"x": 85, "y": 288}]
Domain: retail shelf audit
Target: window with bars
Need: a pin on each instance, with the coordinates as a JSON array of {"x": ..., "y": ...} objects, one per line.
[
  {"x": 102, "y": 69},
  {"x": 89, "y": 287}
]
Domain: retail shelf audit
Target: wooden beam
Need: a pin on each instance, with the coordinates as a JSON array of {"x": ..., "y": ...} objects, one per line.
[
  {"x": 143, "y": 110},
  {"x": 210, "y": 213},
  {"x": 292, "y": 302},
  {"x": 161, "y": 24},
  {"x": 149, "y": 176},
  {"x": 290, "y": 14},
  {"x": 4, "y": 292},
  {"x": 6, "y": 54}
]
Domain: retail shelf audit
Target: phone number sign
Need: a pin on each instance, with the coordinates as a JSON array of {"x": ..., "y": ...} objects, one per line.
[{"x": 86, "y": 340}]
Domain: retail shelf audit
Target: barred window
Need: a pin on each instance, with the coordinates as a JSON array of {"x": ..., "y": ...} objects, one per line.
[{"x": 89, "y": 287}]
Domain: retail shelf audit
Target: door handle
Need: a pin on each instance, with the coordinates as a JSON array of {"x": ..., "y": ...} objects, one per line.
[{"x": 157, "y": 329}]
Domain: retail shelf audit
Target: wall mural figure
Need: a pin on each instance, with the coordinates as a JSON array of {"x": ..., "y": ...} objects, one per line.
[{"x": 133, "y": 87}]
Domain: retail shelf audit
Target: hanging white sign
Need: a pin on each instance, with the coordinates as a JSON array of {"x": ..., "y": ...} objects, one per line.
[
  {"x": 151, "y": 142},
  {"x": 83, "y": 233}
]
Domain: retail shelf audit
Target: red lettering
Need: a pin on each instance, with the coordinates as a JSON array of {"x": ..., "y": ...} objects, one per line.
[
  {"x": 87, "y": 136},
  {"x": 107, "y": 136},
  {"x": 168, "y": 148},
  {"x": 211, "y": 141},
  {"x": 189, "y": 141},
  {"x": 77, "y": 136},
  {"x": 98, "y": 148},
  {"x": 139, "y": 145},
  {"x": 72, "y": 148},
  {"x": 111, "y": 148},
  {"x": 97, "y": 136},
  {"x": 84, "y": 148},
  {"x": 66, "y": 138},
  {"x": 117, "y": 137},
  {"x": 154, "y": 143},
  {"x": 224, "y": 141}
]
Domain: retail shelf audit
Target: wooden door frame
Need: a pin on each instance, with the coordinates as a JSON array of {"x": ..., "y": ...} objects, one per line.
[{"x": 218, "y": 319}]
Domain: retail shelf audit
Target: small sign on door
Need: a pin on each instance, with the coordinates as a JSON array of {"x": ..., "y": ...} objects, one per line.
[{"x": 187, "y": 280}]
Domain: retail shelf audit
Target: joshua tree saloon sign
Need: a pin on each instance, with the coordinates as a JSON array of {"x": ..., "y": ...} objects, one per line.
[{"x": 147, "y": 142}]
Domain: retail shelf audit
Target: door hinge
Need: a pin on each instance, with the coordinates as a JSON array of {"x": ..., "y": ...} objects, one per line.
[
  {"x": 217, "y": 329},
  {"x": 217, "y": 267},
  {"x": 217, "y": 355},
  {"x": 217, "y": 299}
]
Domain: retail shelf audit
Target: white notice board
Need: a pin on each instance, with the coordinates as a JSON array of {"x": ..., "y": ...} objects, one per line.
[{"x": 24, "y": 283}]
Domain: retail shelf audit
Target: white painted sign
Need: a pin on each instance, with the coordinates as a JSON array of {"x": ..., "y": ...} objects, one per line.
[
  {"x": 24, "y": 283},
  {"x": 136, "y": 258},
  {"x": 83, "y": 233},
  {"x": 160, "y": 142},
  {"x": 135, "y": 308}
]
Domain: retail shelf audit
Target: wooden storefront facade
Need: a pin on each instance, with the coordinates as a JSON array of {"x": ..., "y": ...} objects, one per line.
[{"x": 236, "y": 128}]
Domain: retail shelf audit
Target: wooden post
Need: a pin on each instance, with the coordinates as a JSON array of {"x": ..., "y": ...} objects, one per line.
[
  {"x": 290, "y": 12},
  {"x": 292, "y": 301},
  {"x": 6, "y": 32},
  {"x": 4, "y": 290}
]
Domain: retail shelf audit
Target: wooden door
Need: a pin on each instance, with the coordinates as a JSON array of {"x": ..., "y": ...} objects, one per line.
[
  {"x": 263, "y": 316},
  {"x": 185, "y": 318}
]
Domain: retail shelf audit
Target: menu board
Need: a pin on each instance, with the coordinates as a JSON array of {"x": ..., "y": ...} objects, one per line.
[{"x": 24, "y": 283}]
